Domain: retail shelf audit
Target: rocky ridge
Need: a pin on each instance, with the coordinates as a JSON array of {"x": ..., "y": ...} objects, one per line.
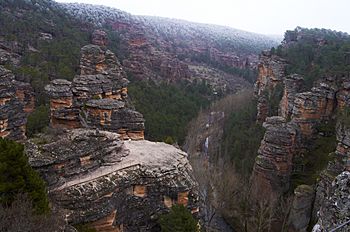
[
  {"x": 161, "y": 49},
  {"x": 291, "y": 133},
  {"x": 98, "y": 168},
  {"x": 16, "y": 102}
]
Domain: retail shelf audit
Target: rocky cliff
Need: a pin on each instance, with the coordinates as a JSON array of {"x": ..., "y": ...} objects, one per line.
[
  {"x": 98, "y": 168},
  {"x": 292, "y": 134},
  {"x": 95, "y": 177},
  {"x": 16, "y": 102},
  {"x": 98, "y": 96}
]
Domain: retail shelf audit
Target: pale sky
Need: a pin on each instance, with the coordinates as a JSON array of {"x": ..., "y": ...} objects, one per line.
[{"x": 261, "y": 16}]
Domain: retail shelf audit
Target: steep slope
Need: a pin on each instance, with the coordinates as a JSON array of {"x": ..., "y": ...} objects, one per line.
[
  {"x": 299, "y": 144},
  {"x": 160, "y": 48},
  {"x": 40, "y": 42}
]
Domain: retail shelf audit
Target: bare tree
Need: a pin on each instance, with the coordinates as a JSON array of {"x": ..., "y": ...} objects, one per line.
[{"x": 20, "y": 217}]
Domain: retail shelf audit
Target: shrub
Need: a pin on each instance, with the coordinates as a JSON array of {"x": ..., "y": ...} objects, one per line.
[
  {"x": 16, "y": 176},
  {"x": 179, "y": 219}
]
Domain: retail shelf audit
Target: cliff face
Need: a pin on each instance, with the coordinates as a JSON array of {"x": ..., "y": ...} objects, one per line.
[
  {"x": 98, "y": 96},
  {"x": 299, "y": 115},
  {"x": 291, "y": 134},
  {"x": 16, "y": 102},
  {"x": 271, "y": 72},
  {"x": 99, "y": 169},
  {"x": 95, "y": 177},
  {"x": 273, "y": 165}
]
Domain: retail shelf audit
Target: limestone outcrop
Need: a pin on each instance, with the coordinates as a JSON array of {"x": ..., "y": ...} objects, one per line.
[
  {"x": 16, "y": 102},
  {"x": 273, "y": 165},
  {"x": 271, "y": 70},
  {"x": 335, "y": 210},
  {"x": 95, "y": 177},
  {"x": 97, "y": 97},
  {"x": 98, "y": 167}
]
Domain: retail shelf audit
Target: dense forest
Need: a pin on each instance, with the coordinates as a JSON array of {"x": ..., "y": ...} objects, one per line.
[{"x": 315, "y": 53}]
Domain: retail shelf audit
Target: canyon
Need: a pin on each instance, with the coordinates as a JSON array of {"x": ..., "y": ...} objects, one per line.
[{"x": 292, "y": 133}]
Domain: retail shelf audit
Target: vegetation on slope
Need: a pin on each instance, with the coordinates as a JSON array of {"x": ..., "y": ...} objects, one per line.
[
  {"x": 316, "y": 53},
  {"x": 179, "y": 219},
  {"x": 17, "y": 177},
  {"x": 307, "y": 168},
  {"x": 242, "y": 137},
  {"x": 168, "y": 108},
  {"x": 25, "y": 25}
]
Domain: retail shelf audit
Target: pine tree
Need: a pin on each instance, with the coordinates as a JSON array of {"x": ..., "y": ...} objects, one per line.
[
  {"x": 179, "y": 219},
  {"x": 16, "y": 176}
]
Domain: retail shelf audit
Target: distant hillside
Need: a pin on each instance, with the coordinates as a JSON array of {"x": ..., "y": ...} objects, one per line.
[
  {"x": 40, "y": 40},
  {"x": 162, "y": 49}
]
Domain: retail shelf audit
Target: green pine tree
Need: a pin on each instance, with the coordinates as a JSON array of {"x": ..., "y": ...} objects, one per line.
[
  {"x": 179, "y": 219},
  {"x": 16, "y": 176}
]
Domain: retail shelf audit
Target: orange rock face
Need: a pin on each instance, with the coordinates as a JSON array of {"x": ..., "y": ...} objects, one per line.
[
  {"x": 65, "y": 102},
  {"x": 271, "y": 73},
  {"x": 273, "y": 165},
  {"x": 140, "y": 190},
  {"x": 16, "y": 102},
  {"x": 106, "y": 224},
  {"x": 182, "y": 198},
  {"x": 97, "y": 97}
]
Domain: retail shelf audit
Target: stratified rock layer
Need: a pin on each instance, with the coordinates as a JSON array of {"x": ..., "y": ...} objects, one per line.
[
  {"x": 96, "y": 171},
  {"x": 97, "y": 97},
  {"x": 116, "y": 186},
  {"x": 271, "y": 70},
  {"x": 273, "y": 165},
  {"x": 16, "y": 102},
  {"x": 293, "y": 84}
]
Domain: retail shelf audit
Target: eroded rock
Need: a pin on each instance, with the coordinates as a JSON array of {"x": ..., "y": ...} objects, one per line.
[
  {"x": 16, "y": 102},
  {"x": 273, "y": 165},
  {"x": 115, "y": 185},
  {"x": 271, "y": 70},
  {"x": 97, "y": 97},
  {"x": 335, "y": 210}
]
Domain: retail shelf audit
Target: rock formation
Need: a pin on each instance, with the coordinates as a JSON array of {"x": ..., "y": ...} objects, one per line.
[
  {"x": 273, "y": 165},
  {"x": 98, "y": 96},
  {"x": 292, "y": 133},
  {"x": 271, "y": 70},
  {"x": 115, "y": 185},
  {"x": 300, "y": 214},
  {"x": 293, "y": 84},
  {"x": 335, "y": 210},
  {"x": 98, "y": 168},
  {"x": 16, "y": 102},
  {"x": 312, "y": 107}
]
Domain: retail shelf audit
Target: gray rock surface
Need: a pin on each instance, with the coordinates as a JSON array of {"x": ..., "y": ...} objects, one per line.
[
  {"x": 335, "y": 210},
  {"x": 96, "y": 178},
  {"x": 300, "y": 215}
]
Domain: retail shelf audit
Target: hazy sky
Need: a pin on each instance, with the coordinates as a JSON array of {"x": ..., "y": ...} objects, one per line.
[{"x": 262, "y": 16}]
